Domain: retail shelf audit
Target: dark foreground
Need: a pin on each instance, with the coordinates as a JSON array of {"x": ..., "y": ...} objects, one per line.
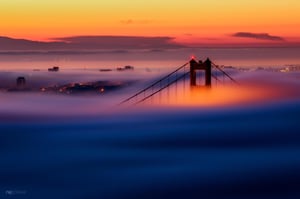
[{"x": 232, "y": 153}]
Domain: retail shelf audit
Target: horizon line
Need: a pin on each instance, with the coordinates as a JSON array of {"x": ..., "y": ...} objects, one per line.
[{"x": 170, "y": 40}]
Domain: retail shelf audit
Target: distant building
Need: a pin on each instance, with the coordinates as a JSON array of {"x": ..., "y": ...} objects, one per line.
[
  {"x": 21, "y": 82},
  {"x": 105, "y": 70},
  {"x": 125, "y": 68},
  {"x": 128, "y": 67},
  {"x": 53, "y": 69},
  {"x": 120, "y": 69}
]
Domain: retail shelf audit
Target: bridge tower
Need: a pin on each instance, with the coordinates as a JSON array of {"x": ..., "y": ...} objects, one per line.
[{"x": 206, "y": 66}]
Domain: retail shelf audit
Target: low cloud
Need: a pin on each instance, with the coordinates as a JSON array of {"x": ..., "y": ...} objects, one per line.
[
  {"x": 260, "y": 36},
  {"x": 79, "y": 43},
  {"x": 120, "y": 42}
]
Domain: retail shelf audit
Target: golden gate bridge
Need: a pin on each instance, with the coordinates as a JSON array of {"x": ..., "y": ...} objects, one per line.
[{"x": 190, "y": 69}]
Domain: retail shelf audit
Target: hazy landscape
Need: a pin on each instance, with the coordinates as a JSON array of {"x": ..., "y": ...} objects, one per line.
[
  {"x": 230, "y": 141},
  {"x": 149, "y": 99}
]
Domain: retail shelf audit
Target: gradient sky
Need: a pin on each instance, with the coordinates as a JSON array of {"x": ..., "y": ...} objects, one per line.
[{"x": 198, "y": 21}]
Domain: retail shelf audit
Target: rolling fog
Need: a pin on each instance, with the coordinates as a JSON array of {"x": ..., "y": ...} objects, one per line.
[
  {"x": 243, "y": 143},
  {"x": 230, "y": 141},
  {"x": 255, "y": 88}
]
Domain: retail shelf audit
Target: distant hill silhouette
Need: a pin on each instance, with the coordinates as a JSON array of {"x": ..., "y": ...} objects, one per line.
[
  {"x": 7, "y": 43},
  {"x": 88, "y": 43}
]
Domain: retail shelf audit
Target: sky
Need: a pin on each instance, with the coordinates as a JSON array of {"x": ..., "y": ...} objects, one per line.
[{"x": 188, "y": 21}]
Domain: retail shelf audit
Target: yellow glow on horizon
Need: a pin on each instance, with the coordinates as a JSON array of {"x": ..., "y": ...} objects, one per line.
[
  {"x": 200, "y": 19},
  {"x": 221, "y": 95}
]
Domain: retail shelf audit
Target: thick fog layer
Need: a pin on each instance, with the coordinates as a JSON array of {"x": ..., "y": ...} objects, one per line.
[
  {"x": 254, "y": 87},
  {"x": 230, "y": 141}
]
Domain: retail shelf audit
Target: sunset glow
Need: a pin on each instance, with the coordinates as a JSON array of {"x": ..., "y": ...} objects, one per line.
[
  {"x": 179, "y": 99},
  {"x": 230, "y": 95},
  {"x": 189, "y": 21}
]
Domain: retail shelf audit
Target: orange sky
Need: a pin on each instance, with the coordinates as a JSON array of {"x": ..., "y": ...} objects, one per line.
[{"x": 197, "y": 21}]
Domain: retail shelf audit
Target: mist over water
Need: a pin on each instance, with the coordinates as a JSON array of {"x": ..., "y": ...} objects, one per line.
[
  {"x": 230, "y": 141},
  {"x": 254, "y": 88}
]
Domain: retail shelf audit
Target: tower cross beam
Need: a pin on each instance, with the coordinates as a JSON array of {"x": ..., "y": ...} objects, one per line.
[{"x": 206, "y": 66}]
